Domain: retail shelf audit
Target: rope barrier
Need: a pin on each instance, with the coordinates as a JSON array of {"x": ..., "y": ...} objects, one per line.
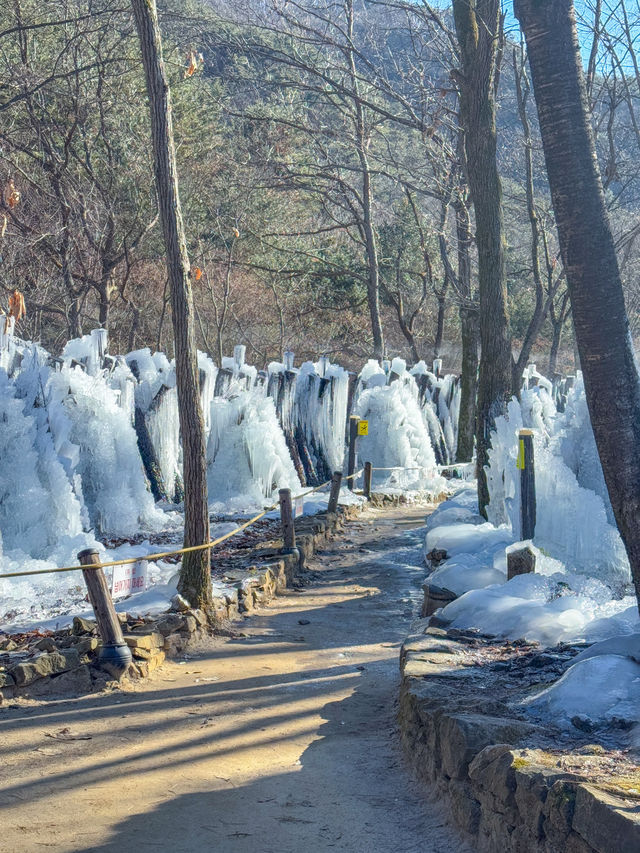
[
  {"x": 164, "y": 554},
  {"x": 401, "y": 468}
]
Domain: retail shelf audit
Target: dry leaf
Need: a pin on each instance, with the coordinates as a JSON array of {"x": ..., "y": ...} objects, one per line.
[{"x": 66, "y": 735}]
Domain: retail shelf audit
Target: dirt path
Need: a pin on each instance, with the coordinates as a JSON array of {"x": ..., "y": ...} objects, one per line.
[{"x": 284, "y": 740}]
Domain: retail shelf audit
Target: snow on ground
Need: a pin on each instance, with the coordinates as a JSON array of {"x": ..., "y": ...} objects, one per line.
[{"x": 580, "y": 592}]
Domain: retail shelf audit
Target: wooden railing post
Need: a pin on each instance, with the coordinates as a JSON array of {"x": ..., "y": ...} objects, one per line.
[
  {"x": 115, "y": 654},
  {"x": 336, "y": 482},
  {"x": 368, "y": 471},
  {"x": 353, "y": 436},
  {"x": 527, "y": 484},
  {"x": 286, "y": 519}
]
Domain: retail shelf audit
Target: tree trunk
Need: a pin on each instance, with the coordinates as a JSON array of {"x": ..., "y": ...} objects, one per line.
[
  {"x": 555, "y": 348},
  {"x": 442, "y": 307},
  {"x": 195, "y": 575},
  {"x": 477, "y": 28},
  {"x": 469, "y": 333},
  {"x": 588, "y": 252},
  {"x": 371, "y": 245}
]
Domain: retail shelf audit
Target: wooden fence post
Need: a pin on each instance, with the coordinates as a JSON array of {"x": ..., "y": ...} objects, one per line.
[
  {"x": 115, "y": 654},
  {"x": 336, "y": 482},
  {"x": 527, "y": 484},
  {"x": 286, "y": 519},
  {"x": 353, "y": 436},
  {"x": 368, "y": 471}
]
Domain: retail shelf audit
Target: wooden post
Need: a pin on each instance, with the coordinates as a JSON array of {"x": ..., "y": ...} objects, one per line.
[
  {"x": 115, "y": 654},
  {"x": 286, "y": 519},
  {"x": 336, "y": 482},
  {"x": 368, "y": 471},
  {"x": 527, "y": 484},
  {"x": 353, "y": 436}
]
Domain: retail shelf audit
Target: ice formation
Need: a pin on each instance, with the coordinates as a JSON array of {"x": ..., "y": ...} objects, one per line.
[
  {"x": 580, "y": 590},
  {"x": 572, "y": 521},
  {"x": 398, "y": 437},
  {"x": 247, "y": 453}
]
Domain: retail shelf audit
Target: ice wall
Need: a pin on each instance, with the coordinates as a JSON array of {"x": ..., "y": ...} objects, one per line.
[
  {"x": 108, "y": 462},
  {"x": 157, "y": 423},
  {"x": 247, "y": 454},
  {"x": 37, "y": 503},
  {"x": 572, "y": 524},
  {"x": 440, "y": 402},
  {"x": 398, "y": 436},
  {"x": 320, "y": 416}
]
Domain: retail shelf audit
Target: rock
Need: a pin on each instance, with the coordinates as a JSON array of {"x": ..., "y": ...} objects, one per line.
[
  {"x": 521, "y": 559},
  {"x": 46, "y": 644},
  {"x": 558, "y": 812},
  {"x": 144, "y": 641},
  {"x": 86, "y": 645},
  {"x": 189, "y": 624},
  {"x": 437, "y": 556},
  {"x": 583, "y": 723},
  {"x": 463, "y": 736},
  {"x": 169, "y": 623},
  {"x": 201, "y": 617},
  {"x": 77, "y": 680},
  {"x": 608, "y": 823},
  {"x": 435, "y": 597},
  {"x": 146, "y": 667},
  {"x": 179, "y": 604},
  {"x": 46, "y": 664},
  {"x": 6, "y": 680},
  {"x": 173, "y": 644},
  {"x": 8, "y": 645},
  {"x": 82, "y": 626}
]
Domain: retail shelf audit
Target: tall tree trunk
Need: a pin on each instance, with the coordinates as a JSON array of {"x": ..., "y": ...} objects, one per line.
[
  {"x": 555, "y": 348},
  {"x": 588, "y": 251},
  {"x": 371, "y": 244},
  {"x": 541, "y": 307},
  {"x": 557, "y": 323},
  {"x": 195, "y": 575},
  {"x": 442, "y": 307},
  {"x": 478, "y": 32},
  {"x": 469, "y": 334}
]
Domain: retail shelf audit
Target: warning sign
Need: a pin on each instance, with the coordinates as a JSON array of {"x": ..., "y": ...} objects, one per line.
[
  {"x": 363, "y": 427},
  {"x": 298, "y": 507},
  {"x": 128, "y": 579}
]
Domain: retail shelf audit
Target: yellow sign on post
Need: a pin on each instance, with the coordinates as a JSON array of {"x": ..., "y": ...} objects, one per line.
[
  {"x": 363, "y": 427},
  {"x": 520, "y": 459}
]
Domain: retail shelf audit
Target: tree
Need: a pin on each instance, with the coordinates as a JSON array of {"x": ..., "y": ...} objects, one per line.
[
  {"x": 611, "y": 379},
  {"x": 195, "y": 575},
  {"x": 478, "y": 28}
]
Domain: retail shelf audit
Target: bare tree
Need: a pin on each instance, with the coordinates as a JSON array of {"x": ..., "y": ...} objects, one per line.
[
  {"x": 195, "y": 575},
  {"x": 611, "y": 378},
  {"x": 478, "y": 27}
]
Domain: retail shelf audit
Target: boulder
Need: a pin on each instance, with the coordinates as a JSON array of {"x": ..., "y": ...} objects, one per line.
[{"x": 46, "y": 664}]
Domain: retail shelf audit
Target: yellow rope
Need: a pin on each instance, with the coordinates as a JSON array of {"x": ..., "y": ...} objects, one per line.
[{"x": 161, "y": 556}]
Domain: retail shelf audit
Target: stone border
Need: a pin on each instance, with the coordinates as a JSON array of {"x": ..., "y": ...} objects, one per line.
[
  {"x": 463, "y": 742},
  {"x": 65, "y": 662}
]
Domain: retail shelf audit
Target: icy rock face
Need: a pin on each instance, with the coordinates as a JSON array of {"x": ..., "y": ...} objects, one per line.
[
  {"x": 571, "y": 521},
  {"x": 397, "y": 437},
  {"x": 320, "y": 415},
  {"x": 37, "y": 504},
  {"x": 574, "y": 440},
  {"x": 440, "y": 402},
  {"x": 113, "y": 481},
  {"x": 157, "y": 422},
  {"x": 247, "y": 453}
]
